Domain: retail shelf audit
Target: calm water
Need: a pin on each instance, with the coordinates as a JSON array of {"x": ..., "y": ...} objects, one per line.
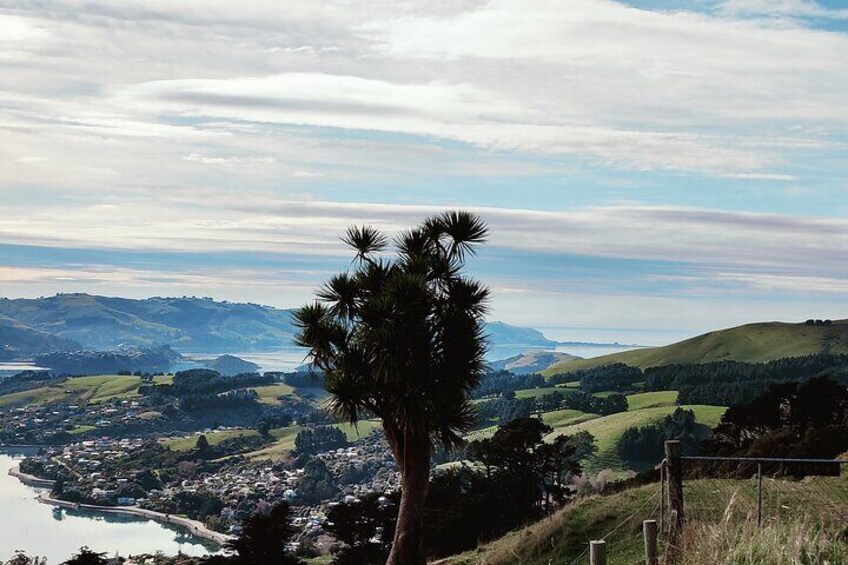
[
  {"x": 288, "y": 358},
  {"x": 31, "y": 526}
]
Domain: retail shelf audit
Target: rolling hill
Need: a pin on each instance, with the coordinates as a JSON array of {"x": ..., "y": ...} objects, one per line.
[
  {"x": 532, "y": 362},
  {"x": 73, "y": 321},
  {"x": 753, "y": 343},
  {"x": 18, "y": 340},
  {"x": 504, "y": 334},
  {"x": 195, "y": 324}
]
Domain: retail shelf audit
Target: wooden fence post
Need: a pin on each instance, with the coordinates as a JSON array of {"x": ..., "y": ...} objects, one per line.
[
  {"x": 598, "y": 552},
  {"x": 759, "y": 495},
  {"x": 674, "y": 474},
  {"x": 662, "y": 496},
  {"x": 649, "y": 529}
]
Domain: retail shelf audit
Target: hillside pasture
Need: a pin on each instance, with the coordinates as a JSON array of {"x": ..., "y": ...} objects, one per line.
[
  {"x": 567, "y": 417},
  {"x": 271, "y": 394},
  {"x": 753, "y": 343},
  {"x": 537, "y": 392},
  {"x": 84, "y": 390},
  {"x": 284, "y": 438},
  {"x": 188, "y": 443},
  {"x": 644, "y": 400},
  {"x": 808, "y": 533},
  {"x": 608, "y": 429}
]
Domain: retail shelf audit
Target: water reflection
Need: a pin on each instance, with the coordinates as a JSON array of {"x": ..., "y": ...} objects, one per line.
[{"x": 35, "y": 528}]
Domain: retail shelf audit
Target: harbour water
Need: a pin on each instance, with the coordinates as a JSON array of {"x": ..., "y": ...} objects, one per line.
[{"x": 38, "y": 529}]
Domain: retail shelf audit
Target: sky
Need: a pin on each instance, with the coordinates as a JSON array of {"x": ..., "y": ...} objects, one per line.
[{"x": 649, "y": 170}]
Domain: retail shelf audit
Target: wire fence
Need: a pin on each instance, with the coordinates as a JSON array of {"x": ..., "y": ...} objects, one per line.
[
  {"x": 765, "y": 491},
  {"x": 724, "y": 503}
]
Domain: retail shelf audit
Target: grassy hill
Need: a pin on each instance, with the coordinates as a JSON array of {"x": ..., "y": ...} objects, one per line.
[
  {"x": 67, "y": 321},
  {"x": 532, "y": 361},
  {"x": 754, "y": 343},
  {"x": 608, "y": 429},
  {"x": 196, "y": 324},
  {"x": 799, "y": 518},
  {"x": 19, "y": 340},
  {"x": 101, "y": 388},
  {"x": 284, "y": 439},
  {"x": 82, "y": 390}
]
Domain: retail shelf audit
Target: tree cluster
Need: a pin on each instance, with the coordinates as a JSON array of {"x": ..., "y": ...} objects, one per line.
[
  {"x": 519, "y": 478},
  {"x": 318, "y": 439},
  {"x": 585, "y": 402},
  {"x": 497, "y": 382},
  {"x": 503, "y": 410},
  {"x": 731, "y": 383},
  {"x": 616, "y": 376},
  {"x": 539, "y": 470},
  {"x": 204, "y": 382},
  {"x": 790, "y": 420},
  {"x": 643, "y": 446}
]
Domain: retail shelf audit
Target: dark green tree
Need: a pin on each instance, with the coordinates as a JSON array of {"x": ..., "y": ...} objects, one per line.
[
  {"x": 402, "y": 338},
  {"x": 537, "y": 469},
  {"x": 202, "y": 446},
  {"x": 87, "y": 557},
  {"x": 21, "y": 558},
  {"x": 263, "y": 539}
]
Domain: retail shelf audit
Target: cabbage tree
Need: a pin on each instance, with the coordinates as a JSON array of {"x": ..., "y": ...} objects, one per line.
[{"x": 400, "y": 337}]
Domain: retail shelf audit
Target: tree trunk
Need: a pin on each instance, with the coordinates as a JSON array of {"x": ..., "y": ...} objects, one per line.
[{"x": 414, "y": 463}]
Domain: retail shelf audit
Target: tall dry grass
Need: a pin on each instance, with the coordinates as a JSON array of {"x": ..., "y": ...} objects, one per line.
[{"x": 797, "y": 543}]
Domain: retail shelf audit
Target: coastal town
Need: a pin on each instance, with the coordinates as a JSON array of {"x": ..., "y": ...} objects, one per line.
[{"x": 207, "y": 485}]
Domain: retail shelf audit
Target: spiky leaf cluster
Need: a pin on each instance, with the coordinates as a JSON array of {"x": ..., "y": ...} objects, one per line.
[{"x": 402, "y": 338}]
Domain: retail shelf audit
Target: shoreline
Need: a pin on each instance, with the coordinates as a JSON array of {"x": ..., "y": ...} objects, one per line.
[
  {"x": 30, "y": 480},
  {"x": 194, "y": 527}
]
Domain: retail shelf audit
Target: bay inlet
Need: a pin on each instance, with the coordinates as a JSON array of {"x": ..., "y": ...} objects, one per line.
[{"x": 37, "y": 529}]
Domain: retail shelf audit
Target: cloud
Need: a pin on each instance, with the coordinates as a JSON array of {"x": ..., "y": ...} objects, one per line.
[
  {"x": 307, "y": 174},
  {"x": 232, "y": 160},
  {"x": 579, "y": 128},
  {"x": 781, "y": 8},
  {"x": 619, "y": 87},
  {"x": 775, "y": 243},
  {"x": 437, "y": 109}
]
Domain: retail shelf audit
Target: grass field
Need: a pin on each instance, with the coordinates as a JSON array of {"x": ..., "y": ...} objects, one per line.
[
  {"x": 284, "y": 439},
  {"x": 563, "y": 537},
  {"x": 270, "y": 394},
  {"x": 537, "y": 392},
  {"x": 90, "y": 390},
  {"x": 608, "y": 429},
  {"x": 752, "y": 342},
  {"x": 644, "y": 400},
  {"x": 560, "y": 418},
  {"x": 214, "y": 438},
  {"x": 101, "y": 388}
]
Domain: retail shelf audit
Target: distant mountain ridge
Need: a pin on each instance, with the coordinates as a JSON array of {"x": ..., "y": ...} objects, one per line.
[
  {"x": 187, "y": 324},
  {"x": 68, "y": 322},
  {"x": 505, "y": 334},
  {"x": 532, "y": 362},
  {"x": 753, "y": 343},
  {"x": 17, "y": 340}
]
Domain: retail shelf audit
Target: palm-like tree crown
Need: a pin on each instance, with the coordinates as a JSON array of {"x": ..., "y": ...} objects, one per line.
[{"x": 403, "y": 338}]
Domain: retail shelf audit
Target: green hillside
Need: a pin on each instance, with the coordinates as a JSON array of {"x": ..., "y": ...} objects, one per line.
[
  {"x": 17, "y": 340},
  {"x": 754, "y": 343},
  {"x": 101, "y": 388},
  {"x": 532, "y": 361},
  {"x": 86, "y": 390},
  {"x": 608, "y": 429},
  {"x": 802, "y": 525}
]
